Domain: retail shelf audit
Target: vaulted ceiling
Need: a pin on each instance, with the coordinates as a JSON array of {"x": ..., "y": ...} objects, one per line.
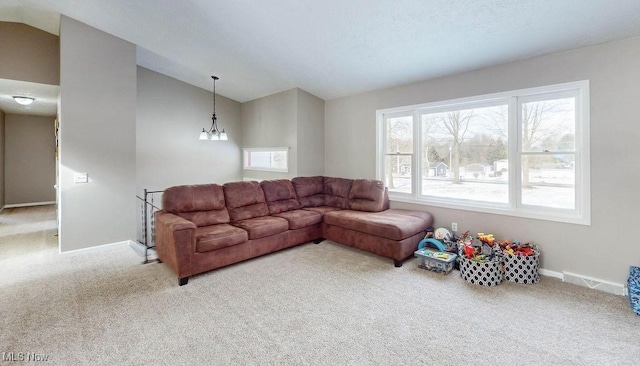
[{"x": 333, "y": 48}]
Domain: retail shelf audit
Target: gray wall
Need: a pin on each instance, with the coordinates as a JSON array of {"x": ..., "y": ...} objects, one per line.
[
  {"x": 2, "y": 144},
  {"x": 293, "y": 118},
  {"x": 29, "y": 159},
  {"x": 310, "y": 134},
  {"x": 170, "y": 116},
  {"x": 29, "y": 54},
  {"x": 97, "y": 136},
  {"x": 271, "y": 121},
  {"x": 603, "y": 250}
]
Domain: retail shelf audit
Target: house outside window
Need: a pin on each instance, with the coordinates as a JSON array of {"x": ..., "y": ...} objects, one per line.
[{"x": 522, "y": 153}]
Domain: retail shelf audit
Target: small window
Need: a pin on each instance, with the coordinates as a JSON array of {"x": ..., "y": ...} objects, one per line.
[{"x": 273, "y": 159}]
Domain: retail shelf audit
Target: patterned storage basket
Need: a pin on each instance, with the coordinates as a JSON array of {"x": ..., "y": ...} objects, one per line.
[
  {"x": 633, "y": 286},
  {"x": 481, "y": 273},
  {"x": 521, "y": 269}
]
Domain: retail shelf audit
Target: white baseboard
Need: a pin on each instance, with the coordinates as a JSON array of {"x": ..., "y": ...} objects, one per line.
[
  {"x": 14, "y": 205},
  {"x": 96, "y": 248},
  {"x": 548, "y": 273},
  {"x": 586, "y": 281},
  {"x": 139, "y": 248},
  {"x": 595, "y": 283}
]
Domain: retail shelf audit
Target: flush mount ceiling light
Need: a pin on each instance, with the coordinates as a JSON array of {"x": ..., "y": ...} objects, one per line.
[
  {"x": 213, "y": 133},
  {"x": 23, "y": 100}
]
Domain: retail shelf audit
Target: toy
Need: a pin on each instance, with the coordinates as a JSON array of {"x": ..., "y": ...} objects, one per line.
[
  {"x": 469, "y": 251},
  {"x": 486, "y": 238},
  {"x": 479, "y": 249},
  {"x": 515, "y": 248},
  {"x": 442, "y": 234}
]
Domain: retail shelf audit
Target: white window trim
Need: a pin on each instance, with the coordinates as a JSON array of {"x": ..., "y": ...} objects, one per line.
[
  {"x": 582, "y": 213},
  {"x": 265, "y": 149}
]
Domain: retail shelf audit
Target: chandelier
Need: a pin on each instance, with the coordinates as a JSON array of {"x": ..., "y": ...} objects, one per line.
[{"x": 213, "y": 133}]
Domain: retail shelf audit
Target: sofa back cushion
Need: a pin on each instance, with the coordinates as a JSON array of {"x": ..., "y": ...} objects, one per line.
[
  {"x": 245, "y": 200},
  {"x": 280, "y": 195},
  {"x": 203, "y": 204},
  {"x": 336, "y": 192},
  {"x": 310, "y": 191},
  {"x": 367, "y": 195}
]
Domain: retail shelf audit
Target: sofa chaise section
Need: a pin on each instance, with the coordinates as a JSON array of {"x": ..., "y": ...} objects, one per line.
[
  {"x": 391, "y": 233},
  {"x": 367, "y": 223}
]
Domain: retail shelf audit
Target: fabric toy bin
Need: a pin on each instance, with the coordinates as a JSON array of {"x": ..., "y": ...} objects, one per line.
[
  {"x": 633, "y": 286},
  {"x": 521, "y": 269},
  {"x": 481, "y": 273}
]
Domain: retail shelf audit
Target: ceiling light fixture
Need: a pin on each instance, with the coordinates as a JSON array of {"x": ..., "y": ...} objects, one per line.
[
  {"x": 23, "y": 100},
  {"x": 213, "y": 133}
]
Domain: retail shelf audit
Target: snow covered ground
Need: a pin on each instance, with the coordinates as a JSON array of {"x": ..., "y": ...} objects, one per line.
[{"x": 549, "y": 188}]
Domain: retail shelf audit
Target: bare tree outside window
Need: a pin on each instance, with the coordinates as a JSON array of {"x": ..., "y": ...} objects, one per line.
[
  {"x": 399, "y": 151},
  {"x": 547, "y": 126},
  {"x": 455, "y": 124},
  {"x": 548, "y": 152}
]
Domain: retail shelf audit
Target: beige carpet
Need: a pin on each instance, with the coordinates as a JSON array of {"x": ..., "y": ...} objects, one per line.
[{"x": 320, "y": 304}]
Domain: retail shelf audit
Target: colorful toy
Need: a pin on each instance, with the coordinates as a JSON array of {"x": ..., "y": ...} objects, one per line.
[
  {"x": 515, "y": 248},
  {"x": 486, "y": 238},
  {"x": 469, "y": 251},
  {"x": 479, "y": 249}
]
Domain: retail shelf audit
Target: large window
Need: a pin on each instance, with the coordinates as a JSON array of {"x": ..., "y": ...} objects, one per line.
[{"x": 523, "y": 153}]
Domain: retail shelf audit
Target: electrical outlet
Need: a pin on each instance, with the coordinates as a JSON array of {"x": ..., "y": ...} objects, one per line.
[
  {"x": 454, "y": 226},
  {"x": 80, "y": 178}
]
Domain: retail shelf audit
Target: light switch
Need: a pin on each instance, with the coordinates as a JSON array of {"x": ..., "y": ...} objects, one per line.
[{"x": 80, "y": 178}]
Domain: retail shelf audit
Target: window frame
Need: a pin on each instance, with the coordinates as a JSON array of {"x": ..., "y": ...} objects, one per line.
[
  {"x": 265, "y": 149},
  {"x": 581, "y": 214},
  {"x": 412, "y": 154}
]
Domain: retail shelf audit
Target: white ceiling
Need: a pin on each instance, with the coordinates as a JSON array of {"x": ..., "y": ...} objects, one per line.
[
  {"x": 46, "y": 103},
  {"x": 333, "y": 48}
]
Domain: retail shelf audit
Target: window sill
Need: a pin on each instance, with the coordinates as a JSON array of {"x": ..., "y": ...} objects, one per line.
[{"x": 497, "y": 209}]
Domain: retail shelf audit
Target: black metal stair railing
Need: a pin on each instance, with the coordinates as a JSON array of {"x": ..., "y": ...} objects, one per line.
[{"x": 147, "y": 232}]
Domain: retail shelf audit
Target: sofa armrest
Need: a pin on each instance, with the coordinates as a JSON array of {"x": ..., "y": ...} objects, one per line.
[
  {"x": 175, "y": 242},
  {"x": 385, "y": 202}
]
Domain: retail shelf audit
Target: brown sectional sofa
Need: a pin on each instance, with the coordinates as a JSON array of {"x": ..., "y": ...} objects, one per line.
[{"x": 208, "y": 226}]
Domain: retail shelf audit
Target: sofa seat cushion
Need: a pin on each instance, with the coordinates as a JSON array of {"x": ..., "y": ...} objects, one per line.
[
  {"x": 215, "y": 237},
  {"x": 392, "y": 224},
  {"x": 322, "y": 209},
  {"x": 299, "y": 219},
  {"x": 260, "y": 227}
]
